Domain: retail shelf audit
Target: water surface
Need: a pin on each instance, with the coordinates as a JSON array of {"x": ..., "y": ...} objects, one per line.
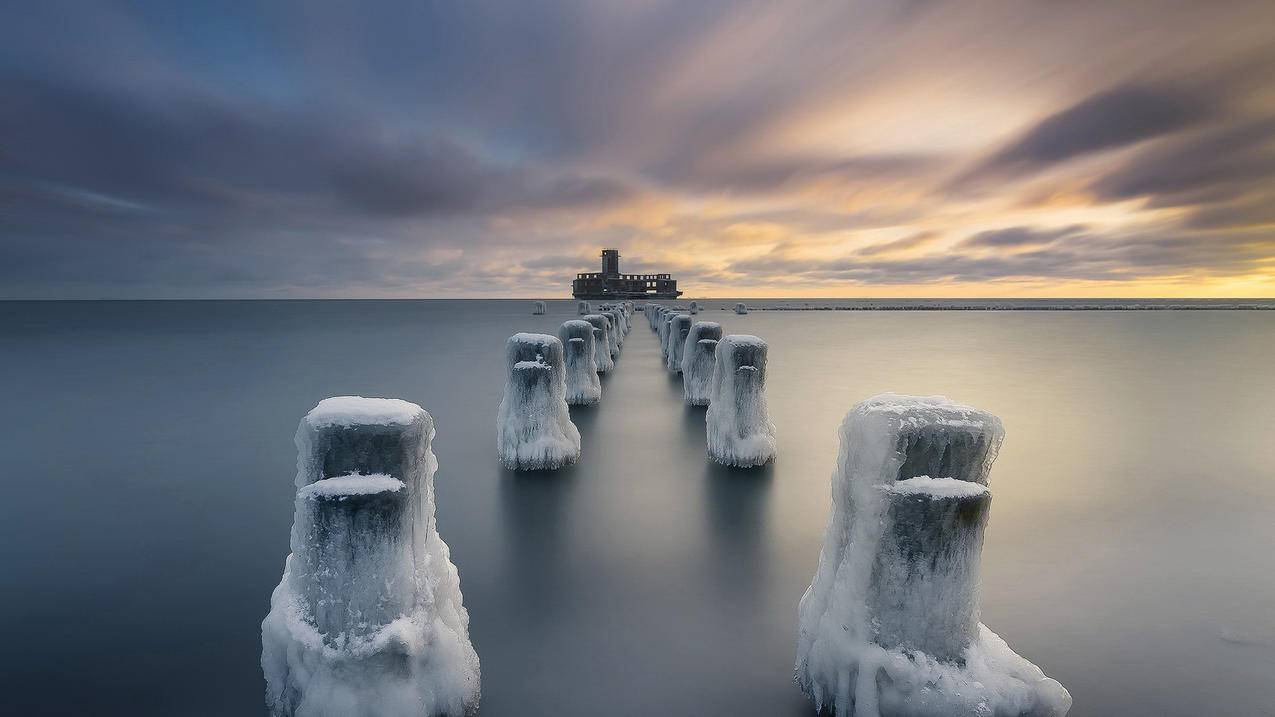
[{"x": 148, "y": 497}]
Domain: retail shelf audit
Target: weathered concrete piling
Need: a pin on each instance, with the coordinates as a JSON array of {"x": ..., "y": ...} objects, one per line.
[
  {"x": 601, "y": 342},
  {"x": 679, "y": 329},
  {"x": 890, "y": 625},
  {"x": 583, "y": 386},
  {"x": 739, "y": 429},
  {"x": 369, "y": 583},
  {"x": 534, "y": 428},
  {"x": 698, "y": 357}
]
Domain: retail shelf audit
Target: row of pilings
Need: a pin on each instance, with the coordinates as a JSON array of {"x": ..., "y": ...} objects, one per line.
[{"x": 369, "y": 617}]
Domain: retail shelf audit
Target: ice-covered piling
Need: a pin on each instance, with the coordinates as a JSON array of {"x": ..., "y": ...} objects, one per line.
[
  {"x": 741, "y": 308},
  {"x": 538, "y": 308},
  {"x": 601, "y": 342},
  {"x": 698, "y": 358},
  {"x": 617, "y": 329},
  {"x": 738, "y": 421},
  {"x": 583, "y": 308},
  {"x": 666, "y": 331},
  {"x": 679, "y": 329},
  {"x": 654, "y": 312},
  {"x": 368, "y": 618},
  {"x": 533, "y": 426},
  {"x": 613, "y": 333},
  {"x": 889, "y": 625},
  {"x": 583, "y": 386},
  {"x": 694, "y": 307}
]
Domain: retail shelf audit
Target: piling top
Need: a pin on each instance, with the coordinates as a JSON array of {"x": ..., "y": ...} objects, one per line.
[
  {"x": 360, "y": 411},
  {"x": 352, "y": 484},
  {"x": 916, "y": 437},
  {"x": 932, "y": 411}
]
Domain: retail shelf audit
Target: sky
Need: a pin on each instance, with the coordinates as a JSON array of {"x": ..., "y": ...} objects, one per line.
[{"x": 159, "y": 149}]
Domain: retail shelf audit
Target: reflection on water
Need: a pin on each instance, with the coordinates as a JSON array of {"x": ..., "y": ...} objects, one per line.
[{"x": 1128, "y": 551}]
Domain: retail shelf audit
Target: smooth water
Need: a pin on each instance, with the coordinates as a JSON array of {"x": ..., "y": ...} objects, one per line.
[{"x": 148, "y": 465}]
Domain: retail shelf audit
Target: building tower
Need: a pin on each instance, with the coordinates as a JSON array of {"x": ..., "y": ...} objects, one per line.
[{"x": 610, "y": 262}]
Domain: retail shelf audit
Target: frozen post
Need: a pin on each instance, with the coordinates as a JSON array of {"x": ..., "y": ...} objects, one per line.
[
  {"x": 538, "y": 308},
  {"x": 368, "y": 618},
  {"x": 678, "y": 331},
  {"x": 601, "y": 342},
  {"x": 617, "y": 330},
  {"x": 653, "y": 312},
  {"x": 694, "y": 307},
  {"x": 889, "y": 625},
  {"x": 533, "y": 426},
  {"x": 738, "y": 422},
  {"x": 698, "y": 358},
  {"x": 583, "y": 308},
  {"x": 741, "y": 308},
  {"x": 583, "y": 386},
  {"x": 666, "y": 325}
]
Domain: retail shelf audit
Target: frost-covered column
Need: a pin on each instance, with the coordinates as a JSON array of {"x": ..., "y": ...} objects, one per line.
[
  {"x": 741, "y": 308},
  {"x": 666, "y": 325},
  {"x": 698, "y": 357},
  {"x": 533, "y": 426},
  {"x": 538, "y": 308},
  {"x": 601, "y": 342},
  {"x": 738, "y": 421},
  {"x": 368, "y": 618},
  {"x": 694, "y": 307},
  {"x": 889, "y": 625},
  {"x": 583, "y": 308},
  {"x": 617, "y": 330},
  {"x": 653, "y": 312},
  {"x": 583, "y": 386},
  {"x": 679, "y": 329}
]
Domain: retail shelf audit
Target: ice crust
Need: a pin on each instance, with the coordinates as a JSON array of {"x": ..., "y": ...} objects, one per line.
[
  {"x": 368, "y": 618},
  {"x": 741, "y": 308},
  {"x": 601, "y": 342},
  {"x": 533, "y": 425},
  {"x": 738, "y": 424},
  {"x": 616, "y": 339},
  {"x": 583, "y": 386},
  {"x": 889, "y": 626},
  {"x": 583, "y": 308},
  {"x": 679, "y": 329},
  {"x": 538, "y": 308},
  {"x": 698, "y": 357}
]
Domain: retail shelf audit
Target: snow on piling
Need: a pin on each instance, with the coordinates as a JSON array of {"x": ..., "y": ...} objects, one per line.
[
  {"x": 369, "y": 583},
  {"x": 583, "y": 386},
  {"x": 694, "y": 307},
  {"x": 533, "y": 426},
  {"x": 698, "y": 358},
  {"x": 741, "y": 308},
  {"x": 583, "y": 308},
  {"x": 679, "y": 329},
  {"x": 601, "y": 342},
  {"x": 738, "y": 421},
  {"x": 889, "y": 625},
  {"x": 538, "y": 308}
]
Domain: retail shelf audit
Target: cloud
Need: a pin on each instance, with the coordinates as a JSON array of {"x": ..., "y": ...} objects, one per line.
[
  {"x": 1107, "y": 120},
  {"x": 1017, "y": 237},
  {"x": 1205, "y": 165}
]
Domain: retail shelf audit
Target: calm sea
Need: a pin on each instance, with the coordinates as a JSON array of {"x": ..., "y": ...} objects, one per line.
[{"x": 148, "y": 465}]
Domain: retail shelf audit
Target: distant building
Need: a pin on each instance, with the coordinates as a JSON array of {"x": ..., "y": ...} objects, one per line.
[{"x": 611, "y": 284}]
